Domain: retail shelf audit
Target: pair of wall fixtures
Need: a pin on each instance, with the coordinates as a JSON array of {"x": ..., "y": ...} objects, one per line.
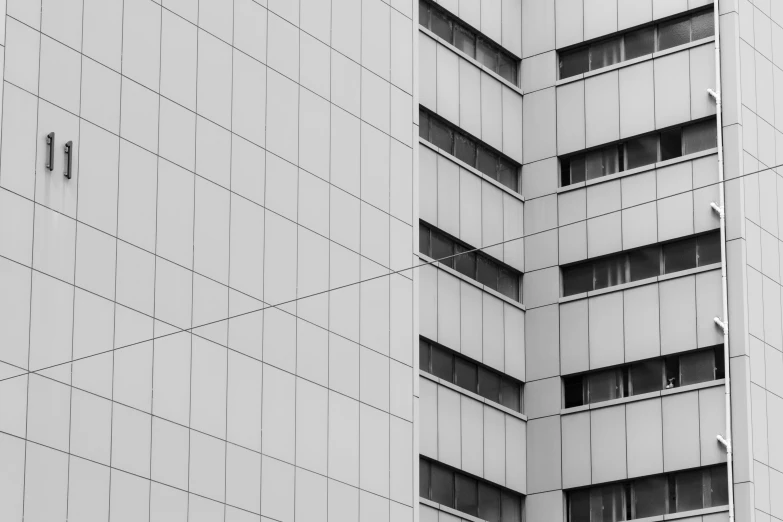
[{"x": 50, "y": 155}]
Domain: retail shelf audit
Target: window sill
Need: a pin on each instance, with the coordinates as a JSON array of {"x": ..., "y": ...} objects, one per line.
[
  {"x": 638, "y": 170},
  {"x": 475, "y": 62},
  {"x": 474, "y": 396},
  {"x": 696, "y": 513},
  {"x": 451, "y": 511},
  {"x": 641, "y": 282},
  {"x": 472, "y": 170},
  {"x": 643, "y": 397},
  {"x": 473, "y": 282},
  {"x": 634, "y": 61}
]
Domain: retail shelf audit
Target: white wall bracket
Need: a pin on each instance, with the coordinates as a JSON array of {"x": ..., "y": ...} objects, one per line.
[
  {"x": 726, "y": 443},
  {"x": 717, "y": 208},
  {"x": 714, "y": 94},
  {"x": 722, "y": 324}
]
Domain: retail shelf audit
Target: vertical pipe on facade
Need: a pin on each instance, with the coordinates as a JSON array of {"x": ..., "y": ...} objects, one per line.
[{"x": 722, "y": 203}]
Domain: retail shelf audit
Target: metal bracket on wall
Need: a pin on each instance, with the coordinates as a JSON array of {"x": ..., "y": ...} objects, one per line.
[
  {"x": 50, "y": 151},
  {"x": 68, "y": 159}
]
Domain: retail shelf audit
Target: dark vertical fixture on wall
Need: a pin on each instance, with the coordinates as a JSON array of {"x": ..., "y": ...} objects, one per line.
[
  {"x": 68, "y": 159},
  {"x": 50, "y": 151}
]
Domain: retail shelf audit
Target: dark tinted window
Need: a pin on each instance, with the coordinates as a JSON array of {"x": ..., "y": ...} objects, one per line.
[
  {"x": 424, "y": 478},
  {"x": 424, "y": 356},
  {"x": 440, "y": 25},
  {"x": 644, "y": 263},
  {"x": 610, "y": 271},
  {"x": 719, "y": 487},
  {"x": 702, "y": 25},
  {"x": 604, "y": 386},
  {"x": 697, "y": 367},
  {"x": 442, "y": 364},
  {"x": 573, "y": 391},
  {"x": 486, "y": 55},
  {"x": 441, "y": 136},
  {"x": 649, "y": 497},
  {"x": 602, "y": 162},
  {"x": 467, "y": 496},
  {"x": 680, "y": 255},
  {"x": 489, "y": 385},
  {"x": 689, "y": 491},
  {"x": 487, "y": 162},
  {"x": 709, "y": 249},
  {"x": 674, "y": 33},
  {"x": 466, "y": 374},
  {"x": 574, "y": 62},
  {"x": 442, "y": 486},
  {"x": 605, "y": 53},
  {"x": 465, "y": 263},
  {"x": 510, "y": 394},
  {"x": 424, "y": 240},
  {"x": 671, "y": 144},
  {"x": 465, "y": 41},
  {"x": 507, "y": 175},
  {"x": 487, "y": 273},
  {"x": 579, "y": 506},
  {"x": 510, "y": 507},
  {"x": 646, "y": 377},
  {"x": 508, "y": 283},
  {"x": 641, "y": 151},
  {"x": 577, "y": 279},
  {"x": 699, "y": 136},
  {"x": 465, "y": 150},
  {"x": 489, "y": 503},
  {"x": 638, "y": 43}
]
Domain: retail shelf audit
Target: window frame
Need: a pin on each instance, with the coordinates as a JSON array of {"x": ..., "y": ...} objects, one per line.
[
  {"x": 569, "y": 177},
  {"x": 503, "y": 378},
  {"x": 621, "y": 38},
  {"x": 426, "y": 120},
  {"x": 456, "y": 24}
]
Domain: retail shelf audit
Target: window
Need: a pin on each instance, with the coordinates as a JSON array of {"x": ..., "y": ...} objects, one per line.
[
  {"x": 644, "y": 377},
  {"x": 469, "y": 41},
  {"x": 467, "y": 494},
  {"x": 650, "y": 496},
  {"x": 633, "y": 44},
  {"x": 469, "y": 150},
  {"x": 463, "y": 372},
  {"x": 642, "y": 263},
  {"x": 467, "y": 261},
  {"x": 638, "y": 152}
]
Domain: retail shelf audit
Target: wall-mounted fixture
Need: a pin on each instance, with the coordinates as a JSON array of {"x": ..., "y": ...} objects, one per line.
[
  {"x": 50, "y": 151},
  {"x": 68, "y": 159}
]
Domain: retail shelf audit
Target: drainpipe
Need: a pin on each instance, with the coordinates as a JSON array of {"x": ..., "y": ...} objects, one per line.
[{"x": 721, "y": 210}]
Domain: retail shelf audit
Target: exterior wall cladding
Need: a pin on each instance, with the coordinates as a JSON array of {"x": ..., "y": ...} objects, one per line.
[{"x": 230, "y": 155}]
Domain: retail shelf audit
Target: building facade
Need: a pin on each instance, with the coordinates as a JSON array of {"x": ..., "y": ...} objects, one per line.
[
  {"x": 390, "y": 260},
  {"x": 226, "y": 156}
]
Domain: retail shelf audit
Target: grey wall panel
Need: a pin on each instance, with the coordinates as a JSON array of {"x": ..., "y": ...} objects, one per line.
[
  {"x": 491, "y": 219},
  {"x": 606, "y": 330},
  {"x": 672, "y": 89},
  {"x": 640, "y": 226},
  {"x": 709, "y": 304},
  {"x": 642, "y": 323},
  {"x": 511, "y": 25},
  {"x": 541, "y": 342},
  {"x": 471, "y": 323},
  {"x": 675, "y": 217},
  {"x": 577, "y": 469},
  {"x": 448, "y": 310},
  {"x": 513, "y": 217},
  {"x": 539, "y": 72},
  {"x": 571, "y": 206},
  {"x": 494, "y": 337},
  {"x": 571, "y": 116},
  {"x": 447, "y": 78},
  {"x": 541, "y": 250},
  {"x": 602, "y": 109},
  {"x": 448, "y": 196},
  {"x": 681, "y": 431},
  {"x": 491, "y": 112},
  {"x": 678, "y": 315},
  {"x": 569, "y": 22},
  {"x": 514, "y": 326},
  {"x": 674, "y": 179},
  {"x": 472, "y": 435},
  {"x": 512, "y": 123},
  {"x": 600, "y": 18},
  {"x": 541, "y": 287},
  {"x": 603, "y": 198},
  {"x": 545, "y": 506},
  {"x": 469, "y": 207},
  {"x": 702, "y": 61},
  {"x": 637, "y": 99},
  {"x": 449, "y": 443},
  {"x": 604, "y": 235},
  {"x": 638, "y": 189},
  {"x": 572, "y": 242},
  {"x": 633, "y": 12},
  {"x": 772, "y": 327},
  {"x": 494, "y": 445},
  {"x": 538, "y": 26},
  {"x": 543, "y": 464},
  {"x": 428, "y": 423},
  {"x": 428, "y": 185},
  {"x": 644, "y": 429},
  {"x": 542, "y": 398},
  {"x": 573, "y": 337},
  {"x": 516, "y": 454},
  {"x": 662, "y": 8},
  {"x": 469, "y": 98},
  {"x": 712, "y": 421},
  {"x": 538, "y": 118},
  {"x": 607, "y": 444},
  {"x": 428, "y": 302},
  {"x": 428, "y": 72},
  {"x": 704, "y": 218}
]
